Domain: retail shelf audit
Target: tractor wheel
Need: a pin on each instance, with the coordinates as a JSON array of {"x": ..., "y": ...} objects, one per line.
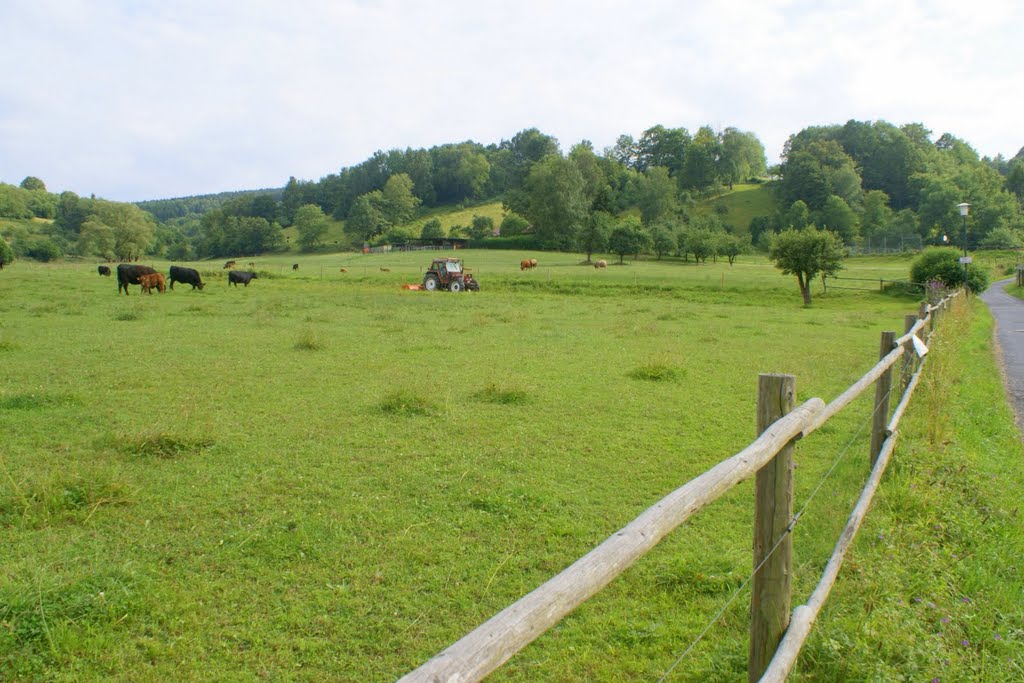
[
  {"x": 456, "y": 286},
  {"x": 430, "y": 283}
]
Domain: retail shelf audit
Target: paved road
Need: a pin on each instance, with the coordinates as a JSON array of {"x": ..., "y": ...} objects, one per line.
[{"x": 1009, "y": 314}]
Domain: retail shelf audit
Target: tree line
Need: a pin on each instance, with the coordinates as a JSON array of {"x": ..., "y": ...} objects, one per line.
[
  {"x": 860, "y": 180},
  {"x": 866, "y": 180}
]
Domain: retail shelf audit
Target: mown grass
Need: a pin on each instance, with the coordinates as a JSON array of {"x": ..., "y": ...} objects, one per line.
[{"x": 323, "y": 476}]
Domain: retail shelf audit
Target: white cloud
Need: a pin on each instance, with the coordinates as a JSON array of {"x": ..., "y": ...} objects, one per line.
[{"x": 134, "y": 101}]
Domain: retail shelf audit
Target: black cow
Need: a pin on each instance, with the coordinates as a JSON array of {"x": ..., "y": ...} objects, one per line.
[
  {"x": 295, "y": 266},
  {"x": 104, "y": 270},
  {"x": 128, "y": 274},
  {"x": 236, "y": 276},
  {"x": 189, "y": 276}
]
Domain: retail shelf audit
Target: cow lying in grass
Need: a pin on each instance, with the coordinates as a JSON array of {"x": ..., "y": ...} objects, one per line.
[{"x": 149, "y": 281}]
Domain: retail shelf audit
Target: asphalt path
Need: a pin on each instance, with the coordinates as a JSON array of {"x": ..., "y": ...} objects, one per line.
[{"x": 1008, "y": 312}]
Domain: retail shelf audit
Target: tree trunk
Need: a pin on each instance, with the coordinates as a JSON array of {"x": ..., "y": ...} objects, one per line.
[{"x": 805, "y": 288}]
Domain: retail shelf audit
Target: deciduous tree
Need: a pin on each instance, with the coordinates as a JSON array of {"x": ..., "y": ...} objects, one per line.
[
  {"x": 807, "y": 254},
  {"x": 311, "y": 224},
  {"x": 628, "y": 238}
]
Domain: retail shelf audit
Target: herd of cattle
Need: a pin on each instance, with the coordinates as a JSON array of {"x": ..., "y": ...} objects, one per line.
[{"x": 149, "y": 279}]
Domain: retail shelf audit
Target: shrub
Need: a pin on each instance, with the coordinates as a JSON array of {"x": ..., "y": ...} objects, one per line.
[{"x": 943, "y": 264}]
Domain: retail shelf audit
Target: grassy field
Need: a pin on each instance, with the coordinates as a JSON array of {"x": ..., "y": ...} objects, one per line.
[
  {"x": 741, "y": 205},
  {"x": 323, "y": 476}
]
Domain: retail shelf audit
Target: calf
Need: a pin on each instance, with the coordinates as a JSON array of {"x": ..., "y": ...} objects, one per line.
[
  {"x": 128, "y": 274},
  {"x": 228, "y": 264},
  {"x": 189, "y": 276},
  {"x": 236, "y": 276},
  {"x": 150, "y": 281},
  {"x": 104, "y": 270},
  {"x": 295, "y": 266}
]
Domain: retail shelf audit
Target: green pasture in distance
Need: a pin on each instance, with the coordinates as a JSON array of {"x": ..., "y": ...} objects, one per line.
[{"x": 325, "y": 476}]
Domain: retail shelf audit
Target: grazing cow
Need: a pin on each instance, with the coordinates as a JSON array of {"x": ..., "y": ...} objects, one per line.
[
  {"x": 149, "y": 281},
  {"x": 228, "y": 264},
  {"x": 385, "y": 270},
  {"x": 295, "y": 266},
  {"x": 128, "y": 274},
  {"x": 236, "y": 276},
  {"x": 601, "y": 264},
  {"x": 344, "y": 270},
  {"x": 189, "y": 276},
  {"x": 104, "y": 270}
]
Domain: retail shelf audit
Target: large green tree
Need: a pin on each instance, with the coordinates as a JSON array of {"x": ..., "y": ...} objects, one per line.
[
  {"x": 657, "y": 195},
  {"x": 701, "y": 167},
  {"x": 593, "y": 236},
  {"x": 398, "y": 203},
  {"x": 742, "y": 156},
  {"x": 807, "y": 254},
  {"x": 838, "y": 217},
  {"x": 628, "y": 237},
  {"x": 366, "y": 218},
  {"x": 311, "y": 224},
  {"x": 553, "y": 200},
  {"x": 6, "y": 253}
]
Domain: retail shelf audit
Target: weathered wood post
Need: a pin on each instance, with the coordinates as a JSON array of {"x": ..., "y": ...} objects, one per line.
[
  {"x": 770, "y": 593},
  {"x": 909, "y": 358},
  {"x": 882, "y": 388}
]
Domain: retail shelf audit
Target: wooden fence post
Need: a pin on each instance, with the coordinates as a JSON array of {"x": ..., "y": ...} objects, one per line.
[
  {"x": 770, "y": 593},
  {"x": 882, "y": 388},
  {"x": 910, "y": 357}
]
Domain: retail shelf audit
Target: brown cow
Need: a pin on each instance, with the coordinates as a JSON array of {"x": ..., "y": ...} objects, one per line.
[
  {"x": 228, "y": 264},
  {"x": 527, "y": 263},
  {"x": 385, "y": 270},
  {"x": 601, "y": 264},
  {"x": 151, "y": 280}
]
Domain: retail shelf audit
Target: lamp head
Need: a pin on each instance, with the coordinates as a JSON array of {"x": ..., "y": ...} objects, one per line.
[{"x": 964, "y": 208}]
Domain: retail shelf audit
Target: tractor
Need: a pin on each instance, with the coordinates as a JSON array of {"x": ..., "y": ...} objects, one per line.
[{"x": 447, "y": 273}]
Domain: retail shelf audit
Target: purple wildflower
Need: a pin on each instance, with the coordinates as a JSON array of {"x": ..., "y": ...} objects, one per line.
[{"x": 965, "y": 642}]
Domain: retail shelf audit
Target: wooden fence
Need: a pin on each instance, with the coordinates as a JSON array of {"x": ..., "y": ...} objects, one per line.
[{"x": 776, "y": 636}]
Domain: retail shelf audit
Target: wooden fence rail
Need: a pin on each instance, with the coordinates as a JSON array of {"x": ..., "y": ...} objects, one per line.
[{"x": 492, "y": 643}]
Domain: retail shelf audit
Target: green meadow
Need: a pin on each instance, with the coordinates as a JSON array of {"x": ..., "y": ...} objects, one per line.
[{"x": 325, "y": 476}]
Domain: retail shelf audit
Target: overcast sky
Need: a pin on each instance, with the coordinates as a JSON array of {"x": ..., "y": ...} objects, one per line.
[{"x": 145, "y": 100}]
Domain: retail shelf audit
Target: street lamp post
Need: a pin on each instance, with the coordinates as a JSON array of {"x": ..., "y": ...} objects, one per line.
[{"x": 964, "y": 208}]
